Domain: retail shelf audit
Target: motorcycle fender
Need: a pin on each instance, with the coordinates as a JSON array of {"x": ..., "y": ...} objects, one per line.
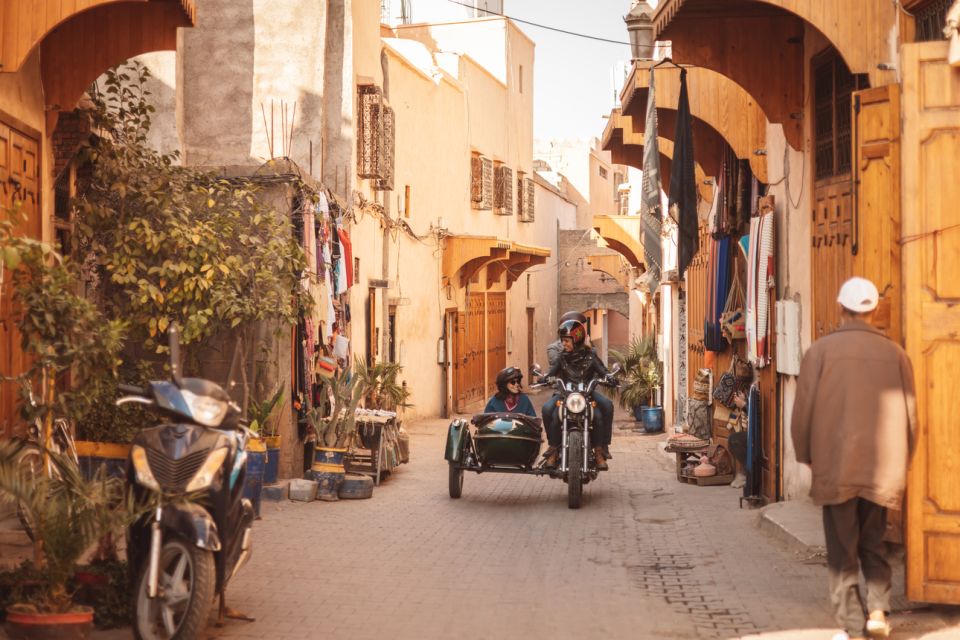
[
  {"x": 193, "y": 523},
  {"x": 455, "y": 437}
]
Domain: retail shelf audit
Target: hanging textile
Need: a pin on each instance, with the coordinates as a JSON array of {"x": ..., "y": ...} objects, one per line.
[
  {"x": 718, "y": 290},
  {"x": 760, "y": 279},
  {"x": 347, "y": 254},
  {"x": 650, "y": 213},
  {"x": 683, "y": 184},
  {"x": 751, "y": 487},
  {"x": 713, "y": 222}
]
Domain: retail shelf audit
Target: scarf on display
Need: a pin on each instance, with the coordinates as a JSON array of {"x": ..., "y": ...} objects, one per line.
[
  {"x": 650, "y": 214},
  {"x": 683, "y": 185},
  {"x": 752, "y": 486},
  {"x": 718, "y": 290},
  {"x": 760, "y": 279}
]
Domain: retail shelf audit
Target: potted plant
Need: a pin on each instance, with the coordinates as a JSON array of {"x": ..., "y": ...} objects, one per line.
[
  {"x": 68, "y": 514},
  {"x": 640, "y": 377},
  {"x": 335, "y": 425},
  {"x": 260, "y": 414}
]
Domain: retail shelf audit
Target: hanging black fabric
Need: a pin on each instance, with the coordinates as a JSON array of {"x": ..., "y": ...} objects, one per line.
[
  {"x": 752, "y": 486},
  {"x": 683, "y": 185}
]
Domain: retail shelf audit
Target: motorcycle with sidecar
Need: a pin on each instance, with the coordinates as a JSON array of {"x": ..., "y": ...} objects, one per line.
[{"x": 510, "y": 442}]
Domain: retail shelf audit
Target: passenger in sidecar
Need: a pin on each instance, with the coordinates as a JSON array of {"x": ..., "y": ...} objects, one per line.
[{"x": 509, "y": 397}]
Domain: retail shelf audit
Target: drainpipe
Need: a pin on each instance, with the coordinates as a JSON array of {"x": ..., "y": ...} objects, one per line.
[{"x": 385, "y": 265}]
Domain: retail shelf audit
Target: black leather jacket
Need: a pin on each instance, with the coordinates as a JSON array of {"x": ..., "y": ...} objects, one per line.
[{"x": 579, "y": 365}]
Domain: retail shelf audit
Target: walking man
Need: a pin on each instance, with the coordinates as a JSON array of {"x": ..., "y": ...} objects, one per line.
[{"x": 854, "y": 422}]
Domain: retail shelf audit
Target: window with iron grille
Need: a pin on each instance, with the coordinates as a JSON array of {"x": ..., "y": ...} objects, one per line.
[
  {"x": 481, "y": 182},
  {"x": 370, "y": 133},
  {"x": 930, "y": 20},
  {"x": 386, "y": 147},
  {"x": 833, "y": 87},
  {"x": 503, "y": 190},
  {"x": 528, "y": 191}
]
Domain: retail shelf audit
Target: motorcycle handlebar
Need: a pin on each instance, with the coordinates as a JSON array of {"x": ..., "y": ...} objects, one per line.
[{"x": 135, "y": 390}]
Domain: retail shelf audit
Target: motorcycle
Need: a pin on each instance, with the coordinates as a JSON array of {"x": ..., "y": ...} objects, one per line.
[
  {"x": 198, "y": 536},
  {"x": 510, "y": 442}
]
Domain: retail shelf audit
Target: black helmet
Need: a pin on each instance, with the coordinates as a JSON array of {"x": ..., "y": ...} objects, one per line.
[
  {"x": 508, "y": 375},
  {"x": 573, "y": 315},
  {"x": 573, "y": 329}
]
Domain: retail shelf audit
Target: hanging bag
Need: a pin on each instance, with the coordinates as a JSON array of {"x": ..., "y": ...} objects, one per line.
[
  {"x": 726, "y": 386},
  {"x": 733, "y": 320}
]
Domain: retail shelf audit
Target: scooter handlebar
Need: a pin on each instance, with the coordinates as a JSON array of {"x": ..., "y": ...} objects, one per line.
[{"x": 133, "y": 389}]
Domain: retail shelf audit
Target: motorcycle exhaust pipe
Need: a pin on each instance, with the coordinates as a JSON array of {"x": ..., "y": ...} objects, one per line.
[{"x": 153, "y": 566}]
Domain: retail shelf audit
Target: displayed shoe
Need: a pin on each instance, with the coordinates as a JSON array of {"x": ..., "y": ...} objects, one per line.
[
  {"x": 877, "y": 625},
  {"x": 599, "y": 459}
]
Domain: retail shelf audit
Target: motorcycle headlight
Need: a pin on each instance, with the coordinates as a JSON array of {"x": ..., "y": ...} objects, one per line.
[
  {"x": 138, "y": 455},
  {"x": 204, "y": 476},
  {"x": 576, "y": 403},
  {"x": 207, "y": 411}
]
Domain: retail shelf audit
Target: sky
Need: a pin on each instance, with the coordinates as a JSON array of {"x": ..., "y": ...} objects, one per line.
[{"x": 572, "y": 76}]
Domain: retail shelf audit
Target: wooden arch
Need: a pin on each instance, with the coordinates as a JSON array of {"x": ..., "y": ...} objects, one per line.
[
  {"x": 23, "y": 30},
  {"x": 83, "y": 46},
  {"x": 715, "y": 100},
  {"x": 622, "y": 234},
  {"x": 759, "y": 44}
]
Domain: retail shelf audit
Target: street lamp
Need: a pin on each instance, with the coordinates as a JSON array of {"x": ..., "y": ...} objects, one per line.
[{"x": 640, "y": 28}]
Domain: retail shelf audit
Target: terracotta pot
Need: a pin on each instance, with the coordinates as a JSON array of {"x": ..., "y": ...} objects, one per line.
[{"x": 22, "y": 624}]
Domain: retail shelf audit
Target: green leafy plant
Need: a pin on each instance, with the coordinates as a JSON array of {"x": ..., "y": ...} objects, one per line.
[
  {"x": 260, "y": 413},
  {"x": 383, "y": 390},
  {"x": 640, "y": 373},
  {"x": 59, "y": 329},
  {"x": 110, "y": 597},
  {"x": 179, "y": 244},
  {"x": 67, "y": 514},
  {"x": 336, "y": 427}
]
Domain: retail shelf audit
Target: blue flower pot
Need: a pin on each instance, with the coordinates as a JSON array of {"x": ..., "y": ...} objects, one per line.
[
  {"x": 638, "y": 413},
  {"x": 253, "y": 485},
  {"x": 653, "y": 419}
]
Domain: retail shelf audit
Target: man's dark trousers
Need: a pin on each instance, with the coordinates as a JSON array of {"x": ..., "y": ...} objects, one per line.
[{"x": 854, "y": 534}]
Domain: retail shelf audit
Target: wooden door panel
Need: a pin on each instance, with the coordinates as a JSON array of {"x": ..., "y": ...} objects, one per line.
[
  {"x": 930, "y": 244},
  {"x": 832, "y": 255},
  {"x": 496, "y": 337},
  {"x": 19, "y": 184},
  {"x": 877, "y": 176}
]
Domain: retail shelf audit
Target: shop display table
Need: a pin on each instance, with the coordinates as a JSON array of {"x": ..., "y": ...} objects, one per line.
[
  {"x": 376, "y": 448},
  {"x": 688, "y": 450}
]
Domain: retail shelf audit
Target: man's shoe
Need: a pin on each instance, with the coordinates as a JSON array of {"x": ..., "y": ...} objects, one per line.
[
  {"x": 550, "y": 458},
  {"x": 601, "y": 462},
  {"x": 606, "y": 452},
  {"x": 877, "y": 625}
]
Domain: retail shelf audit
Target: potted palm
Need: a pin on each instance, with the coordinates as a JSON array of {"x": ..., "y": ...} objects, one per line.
[
  {"x": 68, "y": 515},
  {"x": 261, "y": 422},
  {"x": 635, "y": 391},
  {"x": 335, "y": 425}
]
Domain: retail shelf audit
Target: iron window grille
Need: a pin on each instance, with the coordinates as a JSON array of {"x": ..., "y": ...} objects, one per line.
[
  {"x": 481, "y": 182},
  {"x": 503, "y": 190}
]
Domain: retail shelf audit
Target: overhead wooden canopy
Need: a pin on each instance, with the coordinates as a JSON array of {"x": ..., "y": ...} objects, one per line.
[
  {"x": 464, "y": 256},
  {"x": 759, "y": 44},
  {"x": 622, "y": 234},
  {"x": 614, "y": 265},
  {"x": 85, "y": 43},
  {"x": 519, "y": 258},
  {"x": 24, "y": 24},
  {"x": 714, "y": 100},
  {"x": 626, "y": 147}
]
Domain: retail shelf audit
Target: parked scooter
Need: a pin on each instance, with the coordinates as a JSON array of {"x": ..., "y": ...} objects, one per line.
[{"x": 193, "y": 468}]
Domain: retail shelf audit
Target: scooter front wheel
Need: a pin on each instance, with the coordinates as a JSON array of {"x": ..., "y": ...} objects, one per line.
[{"x": 187, "y": 581}]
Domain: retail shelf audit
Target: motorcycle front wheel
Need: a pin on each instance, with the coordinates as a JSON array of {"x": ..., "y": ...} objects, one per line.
[
  {"x": 187, "y": 581},
  {"x": 574, "y": 469}
]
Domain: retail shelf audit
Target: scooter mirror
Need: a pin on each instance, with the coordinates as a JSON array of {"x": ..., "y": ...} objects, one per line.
[
  {"x": 615, "y": 369},
  {"x": 173, "y": 336}
]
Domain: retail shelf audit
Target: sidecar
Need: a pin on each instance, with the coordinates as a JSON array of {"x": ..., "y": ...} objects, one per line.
[{"x": 497, "y": 442}]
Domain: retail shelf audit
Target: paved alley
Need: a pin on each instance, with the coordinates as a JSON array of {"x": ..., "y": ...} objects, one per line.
[{"x": 645, "y": 557}]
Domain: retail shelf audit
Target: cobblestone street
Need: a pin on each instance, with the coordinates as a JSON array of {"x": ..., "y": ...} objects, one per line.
[{"x": 645, "y": 557}]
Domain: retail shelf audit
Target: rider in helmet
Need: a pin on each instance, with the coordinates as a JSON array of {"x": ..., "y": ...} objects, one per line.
[
  {"x": 554, "y": 349},
  {"x": 509, "y": 398},
  {"x": 577, "y": 363}
]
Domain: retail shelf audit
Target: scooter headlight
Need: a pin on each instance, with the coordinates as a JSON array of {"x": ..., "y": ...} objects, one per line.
[
  {"x": 204, "y": 476},
  {"x": 576, "y": 403},
  {"x": 207, "y": 411},
  {"x": 138, "y": 456}
]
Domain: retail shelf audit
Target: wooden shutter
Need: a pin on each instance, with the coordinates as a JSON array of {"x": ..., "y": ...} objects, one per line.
[{"x": 931, "y": 263}]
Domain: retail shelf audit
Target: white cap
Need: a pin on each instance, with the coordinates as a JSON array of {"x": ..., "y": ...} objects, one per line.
[{"x": 859, "y": 295}]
